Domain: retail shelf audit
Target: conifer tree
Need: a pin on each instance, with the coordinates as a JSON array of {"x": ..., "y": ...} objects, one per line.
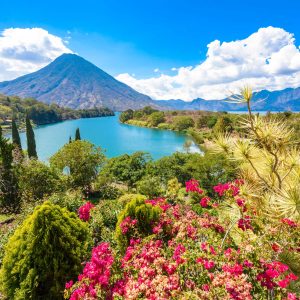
[
  {"x": 15, "y": 134},
  {"x": 31, "y": 146},
  {"x": 9, "y": 188},
  {"x": 70, "y": 140},
  {"x": 44, "y": 252},
  {"x": 77, "y": 135}
]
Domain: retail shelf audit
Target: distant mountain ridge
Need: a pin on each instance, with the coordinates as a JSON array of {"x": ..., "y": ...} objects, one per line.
[
  {"x": 71, "y": 81},
  {"x": 287, "y": 99}
]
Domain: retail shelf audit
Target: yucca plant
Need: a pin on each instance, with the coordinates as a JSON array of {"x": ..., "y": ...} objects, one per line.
[{"x": 268, "y": 160}]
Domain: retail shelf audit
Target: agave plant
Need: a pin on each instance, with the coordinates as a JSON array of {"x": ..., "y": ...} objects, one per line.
[{"x": 269, "y": 160}]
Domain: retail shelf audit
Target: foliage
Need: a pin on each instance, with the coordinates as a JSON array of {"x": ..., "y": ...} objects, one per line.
[
  {"x": 81, "y": 159},
  {"x": 37, "y": 180},
  {"x": 183, "y": 123},
  {"x": 136, "y": 220},
  {"x": 268, "y": 159},
  {"x": 77, "y": 135},
  {"x": 126, "y": 115},
  {"x": 42, "y": 113},
  {"x": 223, "y": 124},
  {"x": 196, "y": 255},
  {"x": 126, "y": 168},
  {"x": 15, "y": 135},
  {"x": 71, "y": 199},
  {"x": 156, "y": 118},
  {"x": 44, "y": 252},
  {"x": 124, "y": 199},
  {"x": 105, "y": 188},
  {"x": 9, "y": 187},
  {"x": 31, "y": 146},
  {"x": 150, "y": 186}
]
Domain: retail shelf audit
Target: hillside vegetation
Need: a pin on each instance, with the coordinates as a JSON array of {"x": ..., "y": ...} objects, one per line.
[
  {"x": 41, "y": 113},
  {"x": 201, "y": 125}
]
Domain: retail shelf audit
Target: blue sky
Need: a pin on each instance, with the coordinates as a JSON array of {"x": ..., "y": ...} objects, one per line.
[{"x": 138, "y": 37}]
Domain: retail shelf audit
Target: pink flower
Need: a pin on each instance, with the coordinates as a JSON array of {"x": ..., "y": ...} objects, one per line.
[
  {"x": 204, "y": 202},
  {"x": 240, "y": 202},
  {"x": 289, "y": 222},
  {"x": 84, "y": 211},
  {"x": 69, "y": 284},
  {"x": 193, "y": 186},
  {"x": 127, "y": 224},
  {"x": 245, "y": 223},
  {"x": 180, "y": 249}
]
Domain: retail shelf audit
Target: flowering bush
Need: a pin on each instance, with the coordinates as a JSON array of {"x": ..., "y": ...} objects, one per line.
[
  {"x": 188, "y": 255},
  {"x": 84, "y": 211}
]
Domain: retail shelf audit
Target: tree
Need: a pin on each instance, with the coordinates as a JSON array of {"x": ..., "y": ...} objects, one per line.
[
  {"x": 37, "y": 180},
  {"x": 81, "y": 159},
  {"x": 156, "y": 118},
  {"x": 15, "y": 134},
  {"x": 223, "y": 124},
  {"x": 31, "y": 146},
  {"x": 77, "y": 135},
  {"x": 183, "y": 123},
  {"x": 44, "y": 252},
  {"x": 9, "y": 189},
  {"x": 126, "y": 115},
  {"x": 126, "y": 168},
  {"x": 70, "y": 139}
]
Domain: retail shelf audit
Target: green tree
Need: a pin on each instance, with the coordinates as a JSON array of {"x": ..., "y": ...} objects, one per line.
[
  {"x": 44, "y": 253},
  {"x": 77, "y": 135},
  {"x": 223, "y": 124},
  {"x": 183, "y": 122},
  {"x": 70, "y": 139},
  {"x": 126, "y": 168},
  {"x": 150, "y": 186},
  {"x": 15, "y": 134},
  {"x": 9, "y": 188},
  {"x": 31, "y": 146},
  {"x": 37, "y": 180},
  {"x": 156, "y": 118},
  {"x": 81, "y": 159},
  {"x": 126, "y": 115}
]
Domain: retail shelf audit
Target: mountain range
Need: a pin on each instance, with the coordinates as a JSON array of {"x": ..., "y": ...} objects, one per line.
[{"x": 71, "y": 81}]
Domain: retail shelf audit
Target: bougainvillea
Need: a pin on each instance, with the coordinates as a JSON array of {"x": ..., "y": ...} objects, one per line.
[
  {"x": 192, "y": 255},
  {"x": 84, "y": 211}
]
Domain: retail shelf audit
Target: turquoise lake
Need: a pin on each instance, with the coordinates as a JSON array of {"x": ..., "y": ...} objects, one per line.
[{"x": 115, "y": 138}]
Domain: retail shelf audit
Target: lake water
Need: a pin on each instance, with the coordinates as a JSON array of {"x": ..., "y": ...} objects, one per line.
[{"x": 108, "y": 133}]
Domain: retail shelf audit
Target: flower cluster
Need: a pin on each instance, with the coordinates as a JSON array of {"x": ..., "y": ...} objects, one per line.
[
  {"x": 232, "y": 188},
  {"x": 95, "y": 275},
  {"x": 193, "y": 186},
  {"x": 191, "y": 254},
  {"x": 127, "y": 224},
  {"x": 275, "y": 271},
  {"x": 84, "y": 211}
]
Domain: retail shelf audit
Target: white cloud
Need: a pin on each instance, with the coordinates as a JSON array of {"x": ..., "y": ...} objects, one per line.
[
  {"x": 25, "y": 50},
  {"x": 267, "y": 59},
  {"x": 156, "y": 70}
]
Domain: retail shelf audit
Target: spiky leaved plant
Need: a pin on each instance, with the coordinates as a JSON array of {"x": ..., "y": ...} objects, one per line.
[{"x": 268, "y": 160}]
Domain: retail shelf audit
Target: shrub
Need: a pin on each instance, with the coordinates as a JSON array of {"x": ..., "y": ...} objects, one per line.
[
  {"x": 183, "y": 123},
  {"x": 82, "y": 160},
  {"x": 37, "y": 180},
  {"x": 156, "y": 118},
  {"x": 136, "y": 220},
  {"x": 123, "y": 200},
  {"x": 71, "y": 199},
  {"x": 44, "y": 253},
  {"x": 150, "y": 186}
]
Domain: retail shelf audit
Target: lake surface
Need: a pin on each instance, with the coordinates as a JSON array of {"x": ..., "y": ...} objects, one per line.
[{"x": 109, "y": 134}]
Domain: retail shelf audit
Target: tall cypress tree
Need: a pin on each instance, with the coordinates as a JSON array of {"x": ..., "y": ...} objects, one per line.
[
  {"x": 77, "y": 135},
  {"x": 15, "y": 134},
  {"x": 9, "y": 188},
  {"x": 31, "y": 146},
  {"x": 70, "y": 140}
]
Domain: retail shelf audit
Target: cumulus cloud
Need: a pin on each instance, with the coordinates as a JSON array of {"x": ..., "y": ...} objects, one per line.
[
  {"x": 267, "y": 59},
  {"x": 25, "y": 50}
]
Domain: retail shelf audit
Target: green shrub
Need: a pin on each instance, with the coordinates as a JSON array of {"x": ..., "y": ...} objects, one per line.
[
  {"x": 150, "y": 186},
  {"x": 44, "y": 252},
  {"x": 71, "y": 199},
  {"x": 156, "y": 118},
  {"x": 123, "y": 200},
  {"x": 144, "y": 213},
  {"x": 103, "y": 220},
  {"x": 183, "y": 123},
  {"x": 164, "y": 126},
  {"x": 105, "y": 188},
  {"x": 37, "y": 180}
]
